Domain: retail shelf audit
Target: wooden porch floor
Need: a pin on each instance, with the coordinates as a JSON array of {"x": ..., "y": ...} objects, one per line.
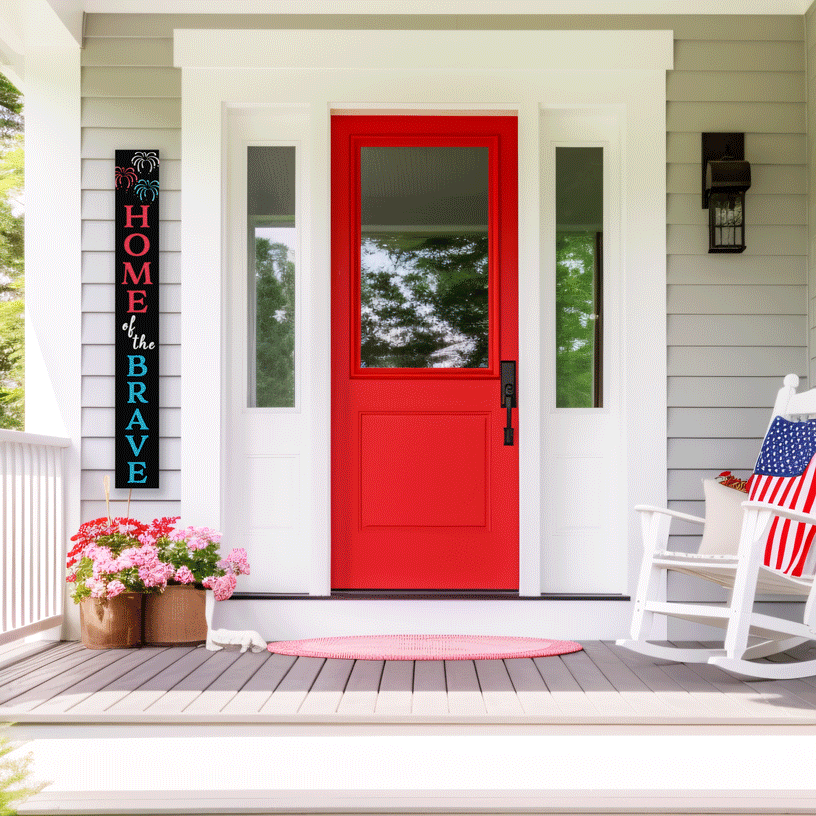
[{"x": 604, "y": 684}]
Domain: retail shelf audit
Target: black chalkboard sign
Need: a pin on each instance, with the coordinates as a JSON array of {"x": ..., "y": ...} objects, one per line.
[{"x": 136, "y": 280}]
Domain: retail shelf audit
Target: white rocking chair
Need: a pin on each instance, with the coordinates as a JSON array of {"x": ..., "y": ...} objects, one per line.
[{"x": 774, "y": 556}]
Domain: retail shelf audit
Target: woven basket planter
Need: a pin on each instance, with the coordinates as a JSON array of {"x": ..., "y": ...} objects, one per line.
[
  {"x": 175, "y": 617},
  {"x": 111, "y": 623}
]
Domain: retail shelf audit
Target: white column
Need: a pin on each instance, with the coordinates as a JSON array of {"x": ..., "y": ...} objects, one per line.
[{"x": 53, "y": 260}]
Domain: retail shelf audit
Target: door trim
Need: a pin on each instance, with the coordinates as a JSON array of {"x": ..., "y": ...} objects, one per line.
[{"x": 640, "y": 98}]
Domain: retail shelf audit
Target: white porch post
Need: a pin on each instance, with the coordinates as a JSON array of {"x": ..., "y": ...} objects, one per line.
[
  {"x": 53, "y": 271},
  {"x": 43, "y": 58}
]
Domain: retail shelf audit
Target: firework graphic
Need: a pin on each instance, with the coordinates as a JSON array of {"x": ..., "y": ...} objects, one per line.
[
  {"x": 145, "y": 159},
  {"x": 145, "y": 188},
  {"x": 126, "y": 177}
]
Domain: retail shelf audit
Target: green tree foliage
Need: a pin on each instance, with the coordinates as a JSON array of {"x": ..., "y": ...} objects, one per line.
[
  {"x": 13, "y": 773},
  {"x": 424, "y": 301},
  {"x": 12, "y": 330},
  {"x": 574, "y": 325},
  {"x": 11, "y": 109},
  {"x": 275, "y": 325}
]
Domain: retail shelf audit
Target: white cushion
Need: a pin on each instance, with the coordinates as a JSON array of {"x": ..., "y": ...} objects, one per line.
[{"x": 723, "y": 518}]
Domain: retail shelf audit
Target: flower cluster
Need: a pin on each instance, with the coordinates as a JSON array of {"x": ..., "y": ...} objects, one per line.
[
  {"x": 111, "y": 556},
  {"x": 223, "y": 586}
]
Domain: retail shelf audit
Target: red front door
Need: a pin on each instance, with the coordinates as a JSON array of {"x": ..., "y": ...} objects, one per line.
[{"x": 424, "y": 309}]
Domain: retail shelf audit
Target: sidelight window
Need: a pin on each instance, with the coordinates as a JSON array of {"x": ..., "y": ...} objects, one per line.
[
  {"x": 271, "y": 267},
  {"x": 579, "y": 277}
]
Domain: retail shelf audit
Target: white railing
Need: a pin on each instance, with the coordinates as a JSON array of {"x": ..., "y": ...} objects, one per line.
[{"x": 32, "y": 533}]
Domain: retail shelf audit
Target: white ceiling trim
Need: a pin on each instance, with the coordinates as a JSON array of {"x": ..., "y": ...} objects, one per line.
[
  {"x": 424, "y": 50},
  {"x": 496, "y": 7}
]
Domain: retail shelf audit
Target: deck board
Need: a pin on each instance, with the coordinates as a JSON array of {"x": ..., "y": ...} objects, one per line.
[
  {"x": 67, "y": 683},
  {"x": 251, "y": 698},
  {"x": 754, "y": 694},
  {"x": 566, "y": 692},
  {"x": 226, "y": 686},
  {"x": 327, "y": 690},
  {"x": 531, "y": 690},
  {"x": 396, "y": 688},
  {"x": 632, "y": 689},
  {"x": 28, "y": 667},
  {"x": 360, "y": 695},
  {"x": 718, "y": 704},
  {"x": 190, "y": 687},
  {"x": 464, "y": 692},
  {"x": 650, "y": 672},
  {"x": 103, "y": 677},
  {"x": 430, "y": 688},
  {"x": 597, "y": 688},
  {"x": 288, "y": 697},
  {"x": 144, "y": 671},
  {"x": 20, "y": 651},
  {"x": 48, "y": 673},
  {"x": 498, "y": 692},
  {"x": 141, "y": 698}
]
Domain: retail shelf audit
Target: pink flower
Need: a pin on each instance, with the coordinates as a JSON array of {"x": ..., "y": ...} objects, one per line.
[
  {"x": 147, "y": 538},
  {"x": 115, "y": 588},
  {"x": 222, "y": 586},
  {"x": 184, "y": 576},
  {"x": 236, "y": 562},
  {"x": 156, "y": 574},
  {"x": 96, "y": 586},
  {"x": 196, "y": 538},
  {"x": 195, "y": 543}
]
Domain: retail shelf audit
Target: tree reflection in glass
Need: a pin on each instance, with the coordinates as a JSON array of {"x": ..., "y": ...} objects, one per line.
[{"x": 424, "y": 301}]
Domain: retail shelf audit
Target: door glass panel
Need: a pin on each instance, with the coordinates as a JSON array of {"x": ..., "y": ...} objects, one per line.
[
  {"x": 271, "y": 243},
  {"x": 579, "y": 276},
  {"x": 424, "y": 257}
]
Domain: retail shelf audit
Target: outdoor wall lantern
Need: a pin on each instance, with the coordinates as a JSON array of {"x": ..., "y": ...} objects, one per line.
[{"x": 726, "y": 177}]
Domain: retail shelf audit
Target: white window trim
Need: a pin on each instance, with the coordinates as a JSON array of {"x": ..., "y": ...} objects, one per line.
[{"x": 242, "y": 320}]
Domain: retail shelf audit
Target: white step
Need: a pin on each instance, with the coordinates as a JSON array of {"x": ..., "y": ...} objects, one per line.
[{"x": 553, "y": 773}]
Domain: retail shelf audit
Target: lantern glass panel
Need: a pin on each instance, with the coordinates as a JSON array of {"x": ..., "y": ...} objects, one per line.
[{"x": 725, "y": 220}]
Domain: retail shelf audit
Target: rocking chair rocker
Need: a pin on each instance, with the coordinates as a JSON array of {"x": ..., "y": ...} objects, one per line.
[{"x": 775, "y": 555}]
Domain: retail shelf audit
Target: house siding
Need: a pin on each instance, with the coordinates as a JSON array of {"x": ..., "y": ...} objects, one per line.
[
  {"x": 736, "y": 324},
  {"x": 131, "y": 98},
  {"x": 810, "y": 46}
]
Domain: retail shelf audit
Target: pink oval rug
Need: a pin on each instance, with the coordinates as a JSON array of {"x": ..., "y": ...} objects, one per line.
[{"x": 424, "y": 647}]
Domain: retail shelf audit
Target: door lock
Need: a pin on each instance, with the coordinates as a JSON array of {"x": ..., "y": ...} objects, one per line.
[{"x": 508, "y": 396}]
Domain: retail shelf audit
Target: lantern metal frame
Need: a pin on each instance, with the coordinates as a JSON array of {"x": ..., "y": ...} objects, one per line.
[{"x": 725, "y": 178}]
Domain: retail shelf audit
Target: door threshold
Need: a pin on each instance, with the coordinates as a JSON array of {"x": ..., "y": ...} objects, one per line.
[{"x": 426, "y": 595}]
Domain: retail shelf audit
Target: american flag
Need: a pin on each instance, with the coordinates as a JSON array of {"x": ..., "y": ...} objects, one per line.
[{"x": 784, "y": 476}]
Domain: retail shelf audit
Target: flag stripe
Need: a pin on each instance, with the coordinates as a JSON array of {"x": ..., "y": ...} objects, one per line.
[{"x": 785, "y": 475}]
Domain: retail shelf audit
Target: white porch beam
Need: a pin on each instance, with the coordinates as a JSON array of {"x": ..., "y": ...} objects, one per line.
[{"x": 26, "y": 24}]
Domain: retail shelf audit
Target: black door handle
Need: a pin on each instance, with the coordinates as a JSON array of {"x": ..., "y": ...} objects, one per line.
[{"x": 508, "y": 396}]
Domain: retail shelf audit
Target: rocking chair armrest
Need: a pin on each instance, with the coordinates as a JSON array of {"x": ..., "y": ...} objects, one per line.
[
  {"x": 776, "y": 510},
  {"x": 646, "y": 508}
]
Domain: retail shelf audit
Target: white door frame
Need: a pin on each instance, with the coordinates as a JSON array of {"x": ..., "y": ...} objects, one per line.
[{"x": 520, "y": 71}]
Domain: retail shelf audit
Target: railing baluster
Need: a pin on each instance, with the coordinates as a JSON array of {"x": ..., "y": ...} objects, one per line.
[
  {"x": 16, "y": 559},
  {"x": 57, "y": 531},
  {"x": 28, "y": 537},
  {"x": 41, "y": 511},
  {"x": 32, "y": 532},
  {"x": 49, "y": 583}
]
